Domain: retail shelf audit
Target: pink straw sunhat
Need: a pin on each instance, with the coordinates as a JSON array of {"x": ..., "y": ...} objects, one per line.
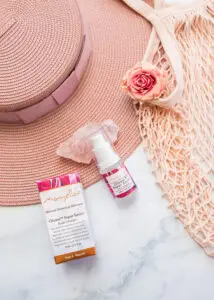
[{"x": 60, "y": 69}]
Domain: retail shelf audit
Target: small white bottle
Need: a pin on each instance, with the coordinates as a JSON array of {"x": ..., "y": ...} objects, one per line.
[{"x": 112, "y": 168}]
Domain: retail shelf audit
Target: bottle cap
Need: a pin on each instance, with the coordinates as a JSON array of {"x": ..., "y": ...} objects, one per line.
[{"x": 103, "y": 151}]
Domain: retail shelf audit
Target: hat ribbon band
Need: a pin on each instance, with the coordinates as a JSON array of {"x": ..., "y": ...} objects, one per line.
[{"x": 58, "y": 97}]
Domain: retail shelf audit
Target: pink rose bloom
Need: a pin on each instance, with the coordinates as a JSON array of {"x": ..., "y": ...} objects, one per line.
[{"x": 144, "y": 82}]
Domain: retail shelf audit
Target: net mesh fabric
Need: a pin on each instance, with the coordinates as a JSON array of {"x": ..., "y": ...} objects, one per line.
[{"x": 180, "y": 143}]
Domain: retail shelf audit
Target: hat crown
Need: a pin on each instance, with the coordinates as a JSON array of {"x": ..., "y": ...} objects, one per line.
[
  {"x": 40, "y": 43},
  {"x": 6, "y": 21}
]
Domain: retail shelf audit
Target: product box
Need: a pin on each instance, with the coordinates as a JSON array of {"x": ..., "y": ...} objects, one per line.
[{"x": 68, "y": 224}]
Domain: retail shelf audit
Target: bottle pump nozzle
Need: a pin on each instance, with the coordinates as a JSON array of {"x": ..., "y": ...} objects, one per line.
[{"x": 103, "y": 151}]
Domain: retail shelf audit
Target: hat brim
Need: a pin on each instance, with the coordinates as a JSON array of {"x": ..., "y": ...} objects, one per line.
[{"x": 28, "y": 152}]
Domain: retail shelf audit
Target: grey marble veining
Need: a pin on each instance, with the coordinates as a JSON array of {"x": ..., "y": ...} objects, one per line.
[{"x": 142, "y": 251}]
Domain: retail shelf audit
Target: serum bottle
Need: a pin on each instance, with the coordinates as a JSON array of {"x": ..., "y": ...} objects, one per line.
[{"x": 112, "y": 168}]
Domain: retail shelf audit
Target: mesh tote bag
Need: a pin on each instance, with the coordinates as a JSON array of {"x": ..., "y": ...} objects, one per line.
[{"x": 180, "y": 140}]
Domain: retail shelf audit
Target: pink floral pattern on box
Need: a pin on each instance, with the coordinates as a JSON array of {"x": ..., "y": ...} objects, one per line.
[{"x": 58, "y": 181}]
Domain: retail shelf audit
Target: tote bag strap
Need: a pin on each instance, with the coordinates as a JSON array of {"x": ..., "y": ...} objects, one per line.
[{"x": 169, "y": 44}]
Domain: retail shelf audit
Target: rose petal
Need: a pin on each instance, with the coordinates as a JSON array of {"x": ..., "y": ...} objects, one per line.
[{"x": 144, "y": 82}]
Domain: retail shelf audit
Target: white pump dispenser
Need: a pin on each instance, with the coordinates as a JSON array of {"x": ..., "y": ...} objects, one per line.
[
  {"x": 105, "y": 155},
  {"x": 111, "y": 167}
]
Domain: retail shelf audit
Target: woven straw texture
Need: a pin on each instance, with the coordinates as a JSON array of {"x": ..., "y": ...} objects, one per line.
[
  {"x": 28, "y": 152},
  {"x": 37, "y": 49},
  {"x": 180, "y": 142}
]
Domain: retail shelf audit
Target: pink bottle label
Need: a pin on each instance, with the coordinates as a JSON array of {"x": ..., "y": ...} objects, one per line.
[{"x": 120, "y": 182}]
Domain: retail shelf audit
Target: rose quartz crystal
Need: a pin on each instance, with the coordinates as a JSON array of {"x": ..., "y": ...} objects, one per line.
[{"x": 78, "y": 147}]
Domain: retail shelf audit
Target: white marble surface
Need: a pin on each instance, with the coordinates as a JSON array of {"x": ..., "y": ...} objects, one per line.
[{"x": 142, "y": 251}]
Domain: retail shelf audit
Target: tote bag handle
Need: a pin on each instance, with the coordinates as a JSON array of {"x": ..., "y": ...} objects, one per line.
[{"x": 169, "y": 44}]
